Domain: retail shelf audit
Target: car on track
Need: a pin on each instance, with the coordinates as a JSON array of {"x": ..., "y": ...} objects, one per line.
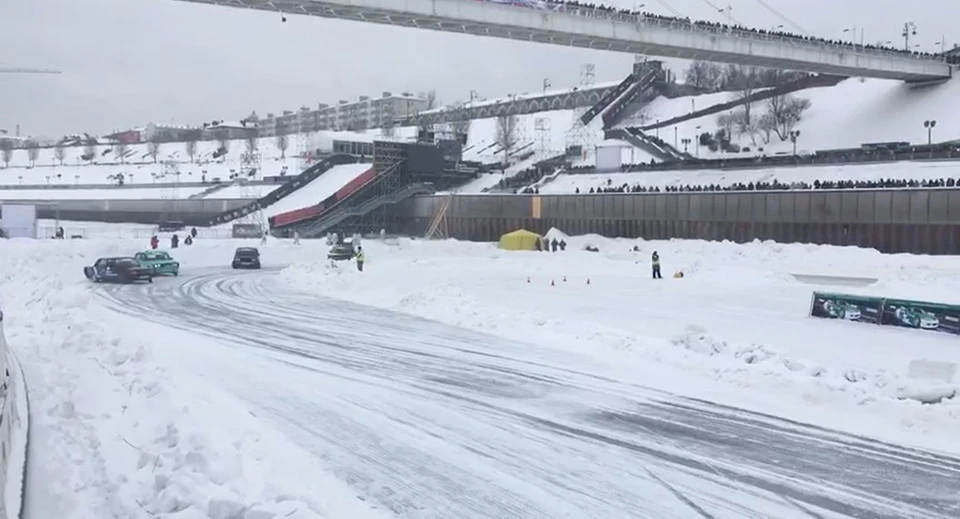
[
  {"x": 917, "y": 318},
  {"x": 246, "y": 258},
  {"x": 118, "y": 270},
  {"x": 160, "y": 261},
  {"x": 342, "y": 251},
  {"x": 842, "y": 310}
]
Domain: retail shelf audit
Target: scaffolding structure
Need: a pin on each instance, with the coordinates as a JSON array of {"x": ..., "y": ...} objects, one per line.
[
  {"x": 388, "y": 161},
  {"x": 542, "y": 127},
  {"x": 580, "y": 135},
  {"x": 170, "y": 190}
]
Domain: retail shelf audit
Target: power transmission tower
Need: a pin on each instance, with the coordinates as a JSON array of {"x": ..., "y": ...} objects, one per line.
[{"x": 580, "y": 135}]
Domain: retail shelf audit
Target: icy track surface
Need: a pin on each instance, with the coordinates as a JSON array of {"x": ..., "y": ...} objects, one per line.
[{"x": 429, "y": 420}]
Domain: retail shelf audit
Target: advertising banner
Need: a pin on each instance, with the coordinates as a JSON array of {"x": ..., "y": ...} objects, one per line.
[
  {"x": 848, "y": 307},
  {"x": 922, "y": 315},
  {"x": 247, "y": 230}
]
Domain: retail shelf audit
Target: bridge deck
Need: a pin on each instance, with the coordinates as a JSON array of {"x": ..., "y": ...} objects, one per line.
[{"x": 619, "y": 32}]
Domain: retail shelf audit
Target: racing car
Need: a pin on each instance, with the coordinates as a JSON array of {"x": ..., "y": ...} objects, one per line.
[
  {"x": 917, "y": 318},
  {"x": 246, "y": 257},
  {"x": 119, "y": 270},
  {"x": 842, "y": 310},
  {"x": 160, "y": 262}
]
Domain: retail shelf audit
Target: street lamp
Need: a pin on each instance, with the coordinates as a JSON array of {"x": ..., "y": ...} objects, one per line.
[
  {"x": 853, "y": 31},
  {"x": 686, "y": 143},
  {"x": 794, "y": 135},
  {"x": 909, "y": 29},
  {"x": 929, "y": 125}
]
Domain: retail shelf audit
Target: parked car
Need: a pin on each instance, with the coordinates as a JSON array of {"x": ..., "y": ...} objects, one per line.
[
  {"x": 246, "y": 258},
  {"x": 118, "y": 270},
  {"x": 160, "y": 262},
  {"x": 342, "y": 251}
]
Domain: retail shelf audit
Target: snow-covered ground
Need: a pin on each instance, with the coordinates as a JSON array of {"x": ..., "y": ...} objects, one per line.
[
  {"x": 570, "y": 183},
  {"x": 219, "y": 391}
]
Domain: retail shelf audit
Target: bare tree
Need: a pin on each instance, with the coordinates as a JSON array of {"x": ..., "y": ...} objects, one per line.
[
  {"x": 223, "y": 139},
  {"x": 90, "y": 150},
  {"x": 283, "y": 142},
  {"x": 153, "y": 148},
  {"x": 6, "y": 148},
  {"x": 704, "y": 75},
  {"x": 33, "y": 151},
  {"x": 507, "y": 135},
  {"x": 191, "y": 148},
  {"x": 60, "y": 153},
  {"x": 252, "y": 143},
  {"x": 786, "y": 111},
  {"x": 726, "y": 122},
  {"x": 120, "y": 148},
  {"x": 765, "y": 126}
]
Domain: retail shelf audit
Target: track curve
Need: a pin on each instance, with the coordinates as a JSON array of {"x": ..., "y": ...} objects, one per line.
[{"x": 433, "y": 421}]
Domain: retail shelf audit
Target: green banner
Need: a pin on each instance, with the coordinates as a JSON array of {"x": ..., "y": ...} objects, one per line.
[{"x": 922, "y": 315}]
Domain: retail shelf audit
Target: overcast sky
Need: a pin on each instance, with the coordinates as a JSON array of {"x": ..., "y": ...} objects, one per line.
[{"x": 128, "y": 62}]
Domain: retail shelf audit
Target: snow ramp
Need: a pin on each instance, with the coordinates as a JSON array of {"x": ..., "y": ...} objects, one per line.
[{"x": 336, "y": 184}]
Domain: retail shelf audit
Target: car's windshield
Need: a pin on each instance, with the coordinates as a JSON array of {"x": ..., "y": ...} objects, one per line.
[
  {"x": 157, "y": 255},
  {"x": 127, "y": 262},
  {"x": 247, "y": 253}
]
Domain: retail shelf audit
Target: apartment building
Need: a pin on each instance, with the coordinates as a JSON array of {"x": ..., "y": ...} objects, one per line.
[{"x": 363, "y": 114}]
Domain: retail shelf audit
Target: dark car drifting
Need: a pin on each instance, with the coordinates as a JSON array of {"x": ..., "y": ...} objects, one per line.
[
  {"x": 246, "y": 258},
  {"x": 118, "y": 270}
]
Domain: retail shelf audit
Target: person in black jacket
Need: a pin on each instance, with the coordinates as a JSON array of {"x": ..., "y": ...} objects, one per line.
[{"x": 655, "y": 263}]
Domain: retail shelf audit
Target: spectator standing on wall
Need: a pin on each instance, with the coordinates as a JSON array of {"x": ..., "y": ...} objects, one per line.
[{"x": 655, "y": 263}]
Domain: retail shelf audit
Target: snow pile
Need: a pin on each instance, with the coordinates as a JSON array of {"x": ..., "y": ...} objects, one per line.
[
  {"x": 735, "y": 327},
  {"x": 116, "y": 432}
]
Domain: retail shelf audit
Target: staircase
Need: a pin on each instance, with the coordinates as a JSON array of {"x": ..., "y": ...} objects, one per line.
[
  {"x": 615, "y": 111},
  {"x": 337, "y": 215},
  {"x": 657, "y": 148},
  {"x": 609, "y": 97}
]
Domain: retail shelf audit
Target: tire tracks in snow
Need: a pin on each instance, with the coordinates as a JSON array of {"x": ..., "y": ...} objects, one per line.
[{"x": 435, "y": 421}]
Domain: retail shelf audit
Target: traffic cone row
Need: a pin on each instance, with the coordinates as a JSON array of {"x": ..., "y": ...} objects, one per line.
[{"x": 553, "y": 282}]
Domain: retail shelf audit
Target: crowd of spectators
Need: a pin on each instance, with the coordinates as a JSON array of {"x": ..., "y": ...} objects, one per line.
[
  {"x": 638, "y": 16},
  {"x": 774, "y": 186}
]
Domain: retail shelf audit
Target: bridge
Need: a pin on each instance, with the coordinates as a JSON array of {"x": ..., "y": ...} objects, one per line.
[{"x": 617, "y": 31}]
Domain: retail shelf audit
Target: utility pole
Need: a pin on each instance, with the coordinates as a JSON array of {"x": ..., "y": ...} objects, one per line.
[{"x": 909, "y": 29}]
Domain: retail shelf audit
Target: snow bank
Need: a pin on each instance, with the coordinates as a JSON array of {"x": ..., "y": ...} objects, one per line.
[
  {"x": 734, "y": 329},
  {"x": 13, "y": 430},
  {"x": 118, "y": 430}
]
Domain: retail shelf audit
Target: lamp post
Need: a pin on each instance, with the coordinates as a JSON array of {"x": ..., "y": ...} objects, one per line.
[
  {"x": 686, "y": 143},
  {"x": 794, "y": 135},
  {"x": 909, "y": 29},
  {"x": 929, "y": 125},
  {"x": 675, "y": 137}
]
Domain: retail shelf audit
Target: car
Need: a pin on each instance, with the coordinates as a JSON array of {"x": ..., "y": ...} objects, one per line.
[
  {"x": 120, "y": 270},
  {"x": 246, "y": 258},
  {"x": 342, "y": 251},
  {"x": 917, "y": 318},
  {"x": 159, "y": 261},
  {"x": 842, "y": 310}
]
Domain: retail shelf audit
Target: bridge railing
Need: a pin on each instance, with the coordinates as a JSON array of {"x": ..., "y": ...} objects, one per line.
[{"x": 641, "y": 19}]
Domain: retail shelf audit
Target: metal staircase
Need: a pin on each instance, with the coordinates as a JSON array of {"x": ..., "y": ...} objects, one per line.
[
  {"x": 336, "y": 216},
  {"x": 608, "y": 97}
]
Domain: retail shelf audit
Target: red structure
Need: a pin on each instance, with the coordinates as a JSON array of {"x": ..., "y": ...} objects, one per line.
[
  {"x": 127, "y": 137},
  {"x": 307, "y": 213}
]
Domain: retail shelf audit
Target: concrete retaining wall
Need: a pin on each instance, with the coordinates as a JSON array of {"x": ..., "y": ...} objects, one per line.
[
  {"x": 190, "y": 211},
  {"x": 907, "y": 220}
]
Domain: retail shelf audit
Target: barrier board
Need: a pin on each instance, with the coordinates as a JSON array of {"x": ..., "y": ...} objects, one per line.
[
  {"x": 840, "y": 281},
  {"x": 921, "y": 315}
]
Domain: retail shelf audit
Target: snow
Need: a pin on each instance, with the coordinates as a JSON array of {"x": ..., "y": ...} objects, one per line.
[
  {"x": 139, "y": 168},
  {"x": 317, "y": 191},
  {"x": 126, "y": 193},
  {"x": 134, "y": 417},
  {"x": 569, "y": 183},
  {"x": 734, "y": 329},
  {"x": 119, "y": 430}
]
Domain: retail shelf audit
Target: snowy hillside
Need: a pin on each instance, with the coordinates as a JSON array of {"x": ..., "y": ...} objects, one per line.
[{"x": 138, "y": 167}]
